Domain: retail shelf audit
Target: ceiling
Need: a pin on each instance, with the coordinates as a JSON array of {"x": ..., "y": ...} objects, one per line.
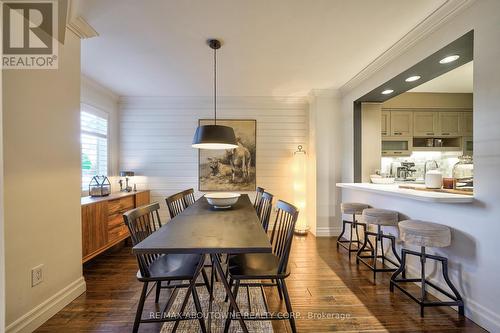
[
  {"x": 270, "y": 48},
  {"x": 458, "y": 80}
]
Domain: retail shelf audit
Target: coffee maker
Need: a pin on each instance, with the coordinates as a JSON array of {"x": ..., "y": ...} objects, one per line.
[{"x": 405, "y": 171}]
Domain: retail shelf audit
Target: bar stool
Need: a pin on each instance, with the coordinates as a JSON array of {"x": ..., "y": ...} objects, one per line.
[
  {"x": 426, "y": 234},
  {"x": 351, "y": 208},
  {"x": 379, "y": 217}
]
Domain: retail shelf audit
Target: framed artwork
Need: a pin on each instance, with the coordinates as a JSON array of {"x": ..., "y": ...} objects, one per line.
[{"x": 230, "y": 169}]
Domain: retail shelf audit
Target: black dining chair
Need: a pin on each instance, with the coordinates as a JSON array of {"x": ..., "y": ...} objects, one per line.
[
  {"x": 267, "y": 266},
  {"x": 176, "y": 204},
  {"x": 189, "y": 198},
  {"x": 158, "y": 268},
  {"x": 258, "y": 195},
  {"x": 264, "y": 209}
]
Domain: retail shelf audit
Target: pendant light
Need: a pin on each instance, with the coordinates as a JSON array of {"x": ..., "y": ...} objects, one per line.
[{"x": 214, "y": 136}]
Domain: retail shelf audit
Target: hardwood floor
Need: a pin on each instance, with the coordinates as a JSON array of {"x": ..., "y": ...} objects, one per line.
[{"x": 331, "y": 295}]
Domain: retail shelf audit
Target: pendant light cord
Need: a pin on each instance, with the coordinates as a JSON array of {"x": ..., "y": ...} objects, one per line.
[{"x": 215, "y": 86}]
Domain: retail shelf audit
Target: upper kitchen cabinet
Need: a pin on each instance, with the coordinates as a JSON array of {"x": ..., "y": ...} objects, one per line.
[
  {"x": 449, "y": 123},
  {"x": 425, "y": 123},
  {"x": 386, "y": 123},
  {"x": 466, "y": 123},
  {"x": 401, "y": 123}
]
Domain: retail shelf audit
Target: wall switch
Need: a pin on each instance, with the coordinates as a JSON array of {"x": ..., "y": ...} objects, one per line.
[{"x": 36, "y": 275}]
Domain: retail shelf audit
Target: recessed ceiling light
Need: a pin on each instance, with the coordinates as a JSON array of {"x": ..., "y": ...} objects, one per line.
[
  {"x": 387, "y": 92},
  {"x": 449, "y": 59},
  {"x": 413, "y": 78}
]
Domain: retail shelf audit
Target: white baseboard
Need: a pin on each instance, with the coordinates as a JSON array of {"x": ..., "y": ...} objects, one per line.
[
  {"x": 44, "y": 311},
  {"x": 327, "y": 231}
]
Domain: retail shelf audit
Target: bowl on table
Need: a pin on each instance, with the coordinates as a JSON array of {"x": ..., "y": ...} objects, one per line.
[
  {"x": 377, "y": 179},
  {"x": 222, "y": 200}
]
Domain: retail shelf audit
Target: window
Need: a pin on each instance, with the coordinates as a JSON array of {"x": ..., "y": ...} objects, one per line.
[{"x": 94, "y": 143}]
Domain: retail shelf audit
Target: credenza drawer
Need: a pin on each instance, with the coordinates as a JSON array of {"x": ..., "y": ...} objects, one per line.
[{"x": 120, "y": 206}]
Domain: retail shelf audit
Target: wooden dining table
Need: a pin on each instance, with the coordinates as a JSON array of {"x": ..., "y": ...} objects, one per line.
[{"x": 204, "y": 230}]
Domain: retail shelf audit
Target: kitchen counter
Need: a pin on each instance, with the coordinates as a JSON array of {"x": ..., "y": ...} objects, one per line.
[{"x": 394, "y": 190}]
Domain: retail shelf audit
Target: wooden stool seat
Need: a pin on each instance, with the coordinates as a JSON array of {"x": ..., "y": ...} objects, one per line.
[
  {"x": 423, "y": 233},
  {"x": 379, "y": 216},
  {"x": 353, "y": 208}
]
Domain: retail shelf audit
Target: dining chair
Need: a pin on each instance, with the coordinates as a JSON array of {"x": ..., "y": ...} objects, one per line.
[
  {"x": 266, "y": 266},
  {"x": 189, "y": 198},
  {"x": 258, "y": 195},
  {"x": 264, "y": 209},
  {"x": 157, "y": 268},
  {"x": 176, "y": 204}
]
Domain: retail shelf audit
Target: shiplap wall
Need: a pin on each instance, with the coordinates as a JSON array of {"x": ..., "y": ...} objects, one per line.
[{"x": 156, "y": 135}]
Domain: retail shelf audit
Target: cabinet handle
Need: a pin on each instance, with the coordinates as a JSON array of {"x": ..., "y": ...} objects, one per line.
[
  {"x": 398, "y": 152},
  {"x": 429, "y": 133},
  {"x": 397, "y": 133},
  {"x": 384, "y": 133},
  {"x": 446, "y": 133}
]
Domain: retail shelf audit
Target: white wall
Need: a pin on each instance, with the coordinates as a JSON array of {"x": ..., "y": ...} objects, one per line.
[
  {"x": 325, "y": 139},
  {"x": 474, "y": 259},
  {"x": 156, "y": 135},
  {"x": 41, "y": 126},
  {"x": 102, "y": 98}
]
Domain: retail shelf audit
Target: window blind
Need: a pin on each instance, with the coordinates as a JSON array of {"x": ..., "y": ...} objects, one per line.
[{"x": 94, "y": 146}]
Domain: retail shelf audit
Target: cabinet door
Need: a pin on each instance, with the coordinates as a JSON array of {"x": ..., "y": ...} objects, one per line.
[
  {"x": 425, "y": 123},
  {"x": 466, "y": 123},
  {"x": 141, "y": 198},
  {"x": 94, "y": 227},
  {"x": 386, "y": 123},
  {"x": 449, "y": 123},
  {"x": 401, "y": 123}
]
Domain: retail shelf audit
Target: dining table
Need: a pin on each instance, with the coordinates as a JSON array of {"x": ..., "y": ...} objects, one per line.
[{"x": 205, "y": 230}]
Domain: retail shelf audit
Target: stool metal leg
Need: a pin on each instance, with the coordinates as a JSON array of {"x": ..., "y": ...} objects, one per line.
[
  {"x": 456, "y": 299},
  {"x": 341, "y": 233},
  {"x": 422, "y": 279}
]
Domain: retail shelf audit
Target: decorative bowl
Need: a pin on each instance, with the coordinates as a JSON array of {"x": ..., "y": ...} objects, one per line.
[
  {"x": 376, "y": 179},
  {"x": 222, "y": 199}
]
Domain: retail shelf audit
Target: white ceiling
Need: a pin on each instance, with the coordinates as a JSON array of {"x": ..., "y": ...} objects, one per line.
[
  {"x": 458, "y": 80},
  {"x": 271, "y": 48}
]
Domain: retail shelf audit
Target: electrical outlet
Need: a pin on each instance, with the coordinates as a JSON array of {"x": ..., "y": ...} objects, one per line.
[{"x": 36, "y": 275}]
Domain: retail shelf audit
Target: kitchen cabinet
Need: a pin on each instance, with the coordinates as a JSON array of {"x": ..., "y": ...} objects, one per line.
[
  {"x": 467, "y": 146},
  {"x": 449, "y": 123},
  {"x": 466, "y": 123},
  {"x": 102, "y": 220},
  {"x": 425, "y": 123},
  {"x": 401, "y": 123},
  {"x": 397, "y": 146},
  {"x": 386, "y": 123}
]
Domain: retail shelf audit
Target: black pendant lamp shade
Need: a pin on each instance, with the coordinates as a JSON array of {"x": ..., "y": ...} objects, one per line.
[{"x": 214, "y": 136}]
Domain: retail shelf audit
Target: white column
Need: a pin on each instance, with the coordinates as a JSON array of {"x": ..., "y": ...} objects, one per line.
[{"x": 325, "y": 151}]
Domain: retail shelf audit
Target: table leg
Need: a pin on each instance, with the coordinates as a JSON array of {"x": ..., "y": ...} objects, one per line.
[
  {"x": 188, "y": 293},
  {"x": 228, "y": 291}
]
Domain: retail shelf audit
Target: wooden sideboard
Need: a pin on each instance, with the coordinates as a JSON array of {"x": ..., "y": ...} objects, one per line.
[{"x": 102, "y": 220}]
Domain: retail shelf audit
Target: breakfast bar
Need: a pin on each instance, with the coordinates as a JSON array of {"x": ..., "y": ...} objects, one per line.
[{"x": 417, "y": 193}]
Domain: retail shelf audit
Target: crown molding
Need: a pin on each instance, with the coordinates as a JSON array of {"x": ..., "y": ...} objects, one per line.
[
  {"x": 324, "y": 93},
  {"x": 81, "y": 28},
  {"x": 76, "y": 23},
  {"x": 431, "y": 23}
]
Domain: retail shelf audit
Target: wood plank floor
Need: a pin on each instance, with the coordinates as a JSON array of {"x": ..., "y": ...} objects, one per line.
[{"x": 330, "y": 293}]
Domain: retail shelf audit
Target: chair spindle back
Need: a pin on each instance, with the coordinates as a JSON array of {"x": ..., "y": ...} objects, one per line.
[{"x": 282, "y": 234}]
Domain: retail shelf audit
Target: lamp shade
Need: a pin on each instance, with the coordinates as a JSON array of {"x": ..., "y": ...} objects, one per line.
[{"x": 214, "y": 137}]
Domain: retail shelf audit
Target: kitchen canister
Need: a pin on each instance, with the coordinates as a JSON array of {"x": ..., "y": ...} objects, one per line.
[{"x": 433, "y": 179}]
